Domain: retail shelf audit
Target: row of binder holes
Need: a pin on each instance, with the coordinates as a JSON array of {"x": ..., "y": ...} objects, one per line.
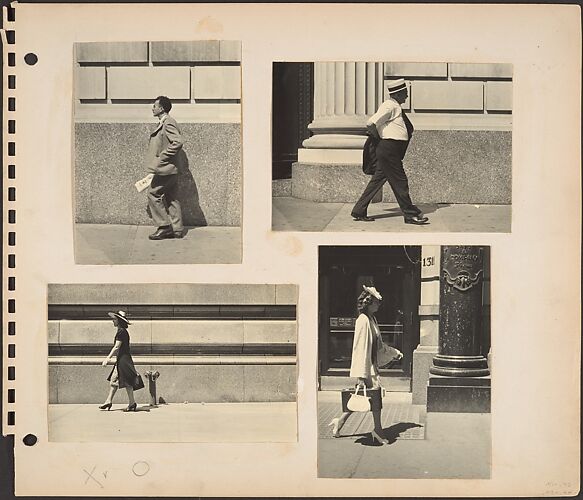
[{"x": 11, "y": 40}]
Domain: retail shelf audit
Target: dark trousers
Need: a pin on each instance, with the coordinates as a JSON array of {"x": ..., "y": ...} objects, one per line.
[
  {"x": 390, "y": 154},
  {"x": 163, "y": 202}
]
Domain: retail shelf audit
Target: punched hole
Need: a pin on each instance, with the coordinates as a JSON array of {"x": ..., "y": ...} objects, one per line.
[
  {"x": 12, "y": 328},
  {"x": 12, "y": 261},
  {"x": 11, "y": 373},
  {"x": 12, "y": 238},
  {"x": 11, "y": 284},
  {"x": 11, "y": 81},
  {"x": 11, "y": 418},
  {"x": 30, "y": 59},
  {"x": 29, "y": 440}
]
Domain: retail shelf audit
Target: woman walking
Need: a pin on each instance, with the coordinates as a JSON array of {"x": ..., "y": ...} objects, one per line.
[
  {"x": 123, "y": 374},
  {"x": 364, "y": 366}
]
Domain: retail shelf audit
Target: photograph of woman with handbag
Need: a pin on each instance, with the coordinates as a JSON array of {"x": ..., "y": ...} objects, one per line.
[
  {"x": 368, "y": 353},
  {"x": 123, "y": 374}
]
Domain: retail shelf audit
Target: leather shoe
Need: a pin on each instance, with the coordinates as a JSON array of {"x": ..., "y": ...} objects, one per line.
[
  {"x": 417, "y": 219},
  {"x": 179, "y": 234},
  {"x": 162, "y": 233},
  {"x": 362, "y": 218}
]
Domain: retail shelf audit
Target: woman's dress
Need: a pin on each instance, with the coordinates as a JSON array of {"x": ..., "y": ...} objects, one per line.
[{"x": 124, "y": 369}]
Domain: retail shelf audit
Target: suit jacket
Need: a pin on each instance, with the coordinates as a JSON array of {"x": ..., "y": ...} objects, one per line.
[
  {"x": 165, "y": 144},
  {"x": 369, "y": 155}
]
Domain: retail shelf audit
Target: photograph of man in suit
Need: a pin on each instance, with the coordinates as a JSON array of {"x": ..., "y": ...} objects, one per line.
[
  {"x": 393, "y": 130},
  {"x": 162, "y": 161}
]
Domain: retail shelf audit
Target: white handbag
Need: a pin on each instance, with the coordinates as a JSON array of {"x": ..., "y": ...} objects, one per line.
[{"x": 358, "y": 402}]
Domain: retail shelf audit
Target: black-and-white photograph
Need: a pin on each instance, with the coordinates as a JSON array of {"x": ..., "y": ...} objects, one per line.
[
  {"x": 172, "y": 363},
  {"x": 389, "y": 146},
  {"x": 157, "y": 161},
  {"x": 404, "y": 377}
]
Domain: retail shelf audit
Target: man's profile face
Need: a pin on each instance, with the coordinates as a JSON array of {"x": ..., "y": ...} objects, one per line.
[{"x": 157, "y": 109}]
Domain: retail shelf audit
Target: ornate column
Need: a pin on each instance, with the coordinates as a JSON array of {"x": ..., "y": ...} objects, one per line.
[
  {"x": 459, "y": 380},
  {"x": 345, "y": 95}
]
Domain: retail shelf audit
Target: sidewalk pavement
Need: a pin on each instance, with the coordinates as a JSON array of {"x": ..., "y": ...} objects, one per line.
[
  {"x": 293, "y": 214},
  {"x": 129, "y": 244},
  {"x": 176, "y": 422},
  {"x": 421, "y": 445}
]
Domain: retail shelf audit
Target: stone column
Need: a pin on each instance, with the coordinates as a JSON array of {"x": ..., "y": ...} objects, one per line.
[
  {"x": 459, "y": 380},
  {"x": 345, "y": 95}
]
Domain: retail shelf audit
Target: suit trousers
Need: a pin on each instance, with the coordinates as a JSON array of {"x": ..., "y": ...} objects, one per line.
[
  {"x": 390, "y": 154},
  {"x": 163, "y": 202}
]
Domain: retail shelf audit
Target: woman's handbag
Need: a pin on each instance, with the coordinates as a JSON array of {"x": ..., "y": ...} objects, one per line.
[
  {"x": 358, "y": 402},
  {"x": 386, "y": 354},
  {"x": 138, "y": 383}
]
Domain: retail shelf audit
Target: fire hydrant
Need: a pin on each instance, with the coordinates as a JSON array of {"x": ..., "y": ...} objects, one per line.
[{"x": 152, "y": 376}]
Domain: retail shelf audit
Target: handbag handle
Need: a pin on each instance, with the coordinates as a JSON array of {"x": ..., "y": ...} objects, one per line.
[{"x": 356, "y": 390}]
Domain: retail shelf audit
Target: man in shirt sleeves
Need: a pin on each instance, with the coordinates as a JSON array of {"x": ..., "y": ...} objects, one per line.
[
  {"x": 163, "y": 156},
  {"x": 394, "y": 130}
]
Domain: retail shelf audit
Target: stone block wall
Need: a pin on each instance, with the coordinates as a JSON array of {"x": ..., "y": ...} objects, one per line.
[
  {"x": 454, "y": 88},
  {"x": 115, "y": 84},
  {"x": 212, "y": 343}
]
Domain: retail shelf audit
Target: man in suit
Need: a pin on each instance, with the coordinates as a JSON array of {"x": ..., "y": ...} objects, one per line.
[
  {"x": 162, "y": 161},
  {"x": 394, "y": 130}
]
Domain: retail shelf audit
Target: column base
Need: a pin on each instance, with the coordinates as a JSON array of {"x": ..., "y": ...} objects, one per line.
[
  {"x": 458, "y": 394},
  {"x": 460, "y": 366},
  {"x": 326, "y": 183}
]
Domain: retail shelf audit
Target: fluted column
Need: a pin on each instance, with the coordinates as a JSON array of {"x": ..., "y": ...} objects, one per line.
[{"x": 345, "y": 94}]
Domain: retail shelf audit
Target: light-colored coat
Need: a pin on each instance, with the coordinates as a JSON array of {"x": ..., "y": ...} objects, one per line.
[
  {"x": 165, "y": 143},
  {"x": 362, "y": 346}
]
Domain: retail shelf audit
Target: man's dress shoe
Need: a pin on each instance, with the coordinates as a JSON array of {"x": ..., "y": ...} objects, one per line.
[
  {"x": 362, "y": 218},
  {"x": 162, "y": 233},
  {"x": 417, "y": 219}
]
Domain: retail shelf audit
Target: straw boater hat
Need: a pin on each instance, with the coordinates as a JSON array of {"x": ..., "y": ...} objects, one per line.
[
  {"x": 119, "y": 315},
  {"x": 372, "y": 291},
  {"x": 395, "y": 86}
]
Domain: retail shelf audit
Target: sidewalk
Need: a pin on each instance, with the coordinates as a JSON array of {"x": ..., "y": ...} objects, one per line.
[
  {"x": 421, "y": 445},
  {"x": 173, "y": 423},
  {"x": 293, "y": 214},
  {"x": 129, "y": 244}
]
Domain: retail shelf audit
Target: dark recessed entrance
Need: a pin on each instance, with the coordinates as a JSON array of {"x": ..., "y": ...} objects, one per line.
[{"x": 396, "y": 272}]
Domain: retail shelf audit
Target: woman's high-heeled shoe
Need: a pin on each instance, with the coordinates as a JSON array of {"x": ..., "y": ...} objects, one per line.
[
  {"x": 335, "y": 429},
  {"x": 378, "y": 439},
  {"x": 131, "y": 407},
  {"x": 105, "y": 406}
]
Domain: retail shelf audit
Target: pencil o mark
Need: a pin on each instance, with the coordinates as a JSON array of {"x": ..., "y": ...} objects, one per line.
[
  {"x": 29, "y": 440},
  {"x": 141, "y": 468},
  {"x": 30, "y": 59}
]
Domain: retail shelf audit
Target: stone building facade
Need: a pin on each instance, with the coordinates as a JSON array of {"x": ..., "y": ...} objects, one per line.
[
  {"x": 211, "y": 343},
  {"x": 462, "y": 147},
  {"x": 115, "y": 85}
]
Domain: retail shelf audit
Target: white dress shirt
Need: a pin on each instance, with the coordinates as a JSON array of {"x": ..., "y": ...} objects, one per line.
[{"x": 389, "y": 121}]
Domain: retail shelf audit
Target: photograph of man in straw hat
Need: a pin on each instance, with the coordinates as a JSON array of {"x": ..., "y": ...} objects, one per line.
[{"x": 392, "y": 146}]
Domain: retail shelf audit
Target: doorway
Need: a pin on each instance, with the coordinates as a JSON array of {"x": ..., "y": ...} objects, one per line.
[{"x": 395, "y": 271}]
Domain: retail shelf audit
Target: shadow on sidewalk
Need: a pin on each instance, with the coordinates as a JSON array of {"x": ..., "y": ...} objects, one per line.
[{"x": 391, "y": 433}]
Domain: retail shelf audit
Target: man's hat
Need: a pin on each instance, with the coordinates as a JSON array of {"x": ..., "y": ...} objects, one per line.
[
  {"x": 396, "y": 85},
  {"x": 119, "y": 315},
  {"x": 372, "y": 291}
]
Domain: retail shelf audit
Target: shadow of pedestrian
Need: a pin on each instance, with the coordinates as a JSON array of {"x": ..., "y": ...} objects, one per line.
[
  {"x": 192, "y": 214},
  {"x": 391, "y": 433}
]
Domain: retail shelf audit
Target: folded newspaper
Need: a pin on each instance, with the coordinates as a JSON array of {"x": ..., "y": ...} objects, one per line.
[{"x": 144, "y": 183}]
